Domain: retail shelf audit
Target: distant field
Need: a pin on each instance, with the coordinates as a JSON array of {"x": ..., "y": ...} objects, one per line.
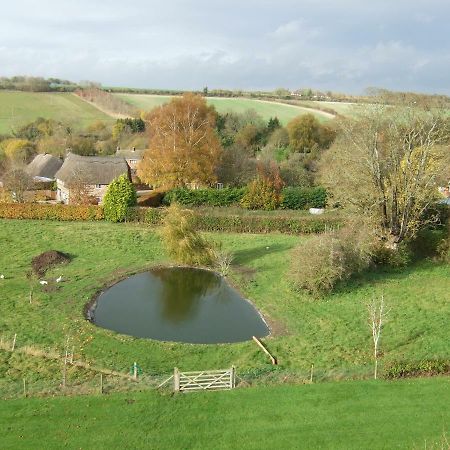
[
  {"x": 342, "y": 108},
  {"x": 19, "y": 108},
  {"x": 410, "y": 414},
  {"x": 266, "y": 109}
]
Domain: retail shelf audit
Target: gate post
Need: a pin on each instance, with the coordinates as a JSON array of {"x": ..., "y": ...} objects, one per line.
[
  {"x": 176, "y": 379},
  {"x": 232, "y": 377}
]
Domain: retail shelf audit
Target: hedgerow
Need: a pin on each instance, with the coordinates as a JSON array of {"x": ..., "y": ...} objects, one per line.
[
  {"x": 428, "y": 367},
  {"x": 154, "y": 216},
  {"x": 50, "y": 212},
  {"x": 291, "y": 197},
  {"x": 201, "y": 197}
]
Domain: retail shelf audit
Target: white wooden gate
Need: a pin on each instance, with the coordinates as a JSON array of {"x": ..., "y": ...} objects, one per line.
[{"x": 204, "y": 380}]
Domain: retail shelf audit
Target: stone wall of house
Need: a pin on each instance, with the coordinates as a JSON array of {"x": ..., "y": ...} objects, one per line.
[{"x": 95, "y": 191}]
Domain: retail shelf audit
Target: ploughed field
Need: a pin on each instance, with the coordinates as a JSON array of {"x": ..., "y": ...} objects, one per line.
[
  {"x": 331, "y": 333},
  {"x": 265, "y": 109},
  {"x": 19, "y": 108}
]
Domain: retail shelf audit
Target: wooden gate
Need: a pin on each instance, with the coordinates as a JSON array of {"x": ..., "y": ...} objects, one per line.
[{"x": 205, "y": 380}]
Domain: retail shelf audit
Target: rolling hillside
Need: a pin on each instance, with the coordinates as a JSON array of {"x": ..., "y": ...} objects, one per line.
[
  {"x": 19, "y": 108},
  {"x": 266, "y": 109}
]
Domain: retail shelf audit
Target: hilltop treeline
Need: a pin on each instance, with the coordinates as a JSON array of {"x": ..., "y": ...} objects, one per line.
[{"x": 37, "y": 84}]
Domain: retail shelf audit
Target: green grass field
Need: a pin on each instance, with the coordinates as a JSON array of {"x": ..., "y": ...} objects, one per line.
[
  {"x": 19, "y": 108},
  {"x": 411, "y": 414},
  {"x": 266, "y": 109},
  {"x": 331, "y": 333}
]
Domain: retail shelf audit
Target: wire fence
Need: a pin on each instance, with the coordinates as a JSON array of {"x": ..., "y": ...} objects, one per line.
[{"x": 66, "y": 374}]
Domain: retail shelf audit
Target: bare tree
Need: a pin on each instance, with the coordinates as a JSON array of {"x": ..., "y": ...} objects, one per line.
[
  {"x": 17, "y": 182},
  {"x": 377, "y": 316},
  {"x": 386, "y": 164}
]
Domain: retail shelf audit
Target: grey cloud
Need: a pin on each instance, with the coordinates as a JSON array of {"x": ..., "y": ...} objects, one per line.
[{"x": 340, "y": 45}]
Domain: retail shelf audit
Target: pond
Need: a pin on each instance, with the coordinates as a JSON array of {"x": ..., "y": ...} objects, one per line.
[{"x": 178, "y": 304}]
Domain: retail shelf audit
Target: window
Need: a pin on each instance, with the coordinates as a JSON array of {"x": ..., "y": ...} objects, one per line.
[{"x": 98, "y": 186}]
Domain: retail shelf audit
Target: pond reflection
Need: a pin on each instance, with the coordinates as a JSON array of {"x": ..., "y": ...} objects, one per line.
[{"x": 178, "y": 304}]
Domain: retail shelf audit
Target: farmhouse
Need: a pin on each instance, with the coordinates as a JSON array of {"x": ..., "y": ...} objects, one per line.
[
  {"x": 92, "y": 173},
  {"x": 132, "y": 157},
  {"x": 44, "y": 167}
]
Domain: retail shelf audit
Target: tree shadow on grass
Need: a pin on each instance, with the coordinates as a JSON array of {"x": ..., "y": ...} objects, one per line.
[
  {"x": 375, "y": 276},
  {"x": 244, "y": 257}
]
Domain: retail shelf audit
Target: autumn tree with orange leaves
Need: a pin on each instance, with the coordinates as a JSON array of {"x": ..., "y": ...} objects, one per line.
[{"x": 184, "y": 149}]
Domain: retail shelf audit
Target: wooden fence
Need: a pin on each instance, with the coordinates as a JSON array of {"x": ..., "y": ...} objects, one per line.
[{"x": 204, "y": 380}]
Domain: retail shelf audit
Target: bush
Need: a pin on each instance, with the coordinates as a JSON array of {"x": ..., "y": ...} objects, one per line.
[
  {"x": 120, "y": 195},
  {"x": 261, "y": 194},
  {"x": 392, "y": 257},
  {"x": 428, "y": 367},
  {"x": 304, "y": 198},
  {"x": 322, "y": 261},
  {"x": 182, "y": 241},
  {"x": 204, "y": 197},
  {"x": 50, "y": 212}
]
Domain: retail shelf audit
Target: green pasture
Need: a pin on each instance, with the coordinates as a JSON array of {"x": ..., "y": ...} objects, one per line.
[
  {"x": 265, "y": 109},
  {"x": 411, "y": 414},
  {"x": 19, "y": 108},
  {"x": 331, "y": 333}
]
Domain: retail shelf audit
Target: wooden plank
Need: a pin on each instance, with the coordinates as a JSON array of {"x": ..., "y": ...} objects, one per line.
[{"x": 264, "y": 349}]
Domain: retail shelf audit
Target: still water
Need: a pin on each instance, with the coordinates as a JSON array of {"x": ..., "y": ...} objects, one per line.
[{"x": 181, "y": 305}]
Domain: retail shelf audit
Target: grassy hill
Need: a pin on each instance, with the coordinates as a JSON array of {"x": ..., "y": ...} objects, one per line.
[
  {"x": 266, "y": 109},
  {"x": 19, "y": 108},
  {"x": 351, "y": 415}
]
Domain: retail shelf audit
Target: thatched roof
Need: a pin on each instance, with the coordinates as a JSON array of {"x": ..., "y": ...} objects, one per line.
[
  {"x": 44, "y": 166},
  {"x": 129, "y": 153},
  {"x": 92, "y": 169}
]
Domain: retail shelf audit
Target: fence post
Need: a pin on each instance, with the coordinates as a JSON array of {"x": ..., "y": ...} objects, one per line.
[
  {"x": 312, "y": 373},
  {"x": 233, "y": 377},
  {"x": 135, "y": 370},
  {"x": 176, "y": 379},
  {"x": 24, "y": 387},
  {"x": 14, "y": 342},
  {"x": 101, "y": 383}
]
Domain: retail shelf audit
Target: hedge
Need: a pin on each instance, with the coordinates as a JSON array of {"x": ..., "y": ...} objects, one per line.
[
  {"x": 154, "y": 216},
  {"x": 243, "y": 224},
  {"x": 200, "y": 197},
  {"x": 292, "y": 198},
  {"x": 50, "y": 212},
  {"x": 303, "y": 198},
  {"x": 427, "y": 367}
]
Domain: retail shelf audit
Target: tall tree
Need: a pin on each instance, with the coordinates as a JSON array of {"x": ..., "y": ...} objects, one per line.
[
  {"x": 307, "y": 134},
  {"x": 184, "y": 148},
  {"x": 385, "y": 165}
]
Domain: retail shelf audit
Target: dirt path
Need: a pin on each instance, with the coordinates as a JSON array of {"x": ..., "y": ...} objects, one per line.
[{"x": 103, "y": 110}]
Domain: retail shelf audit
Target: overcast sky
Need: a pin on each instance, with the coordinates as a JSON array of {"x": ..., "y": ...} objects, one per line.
[{"x": 339, "y": 45}]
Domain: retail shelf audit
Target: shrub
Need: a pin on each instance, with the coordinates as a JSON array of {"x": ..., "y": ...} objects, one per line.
[
  {"x": 182, "y": 241},
  {"x": 120, "y": 195},
  {"x": 261, "y": 194},
  {"x": 322, "y": 261},
  {"x": 428, "y": 367},
  {"x": 392, "y": 257},
  {"x": 204, "y": 197},
  {"x": 318, "y": 264},
  {"x": 304, "y": 198}
]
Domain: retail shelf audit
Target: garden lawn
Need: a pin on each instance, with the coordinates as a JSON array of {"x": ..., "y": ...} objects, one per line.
[
  {"x": 331, "y": 333},
  {"x": 20, "y": 108},
  {"x": 348, "y": 415},
  {"x": 265, "y": 109}
]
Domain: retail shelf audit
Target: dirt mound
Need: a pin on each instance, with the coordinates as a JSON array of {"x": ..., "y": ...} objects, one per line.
[{"x": 41, "y": 263}]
